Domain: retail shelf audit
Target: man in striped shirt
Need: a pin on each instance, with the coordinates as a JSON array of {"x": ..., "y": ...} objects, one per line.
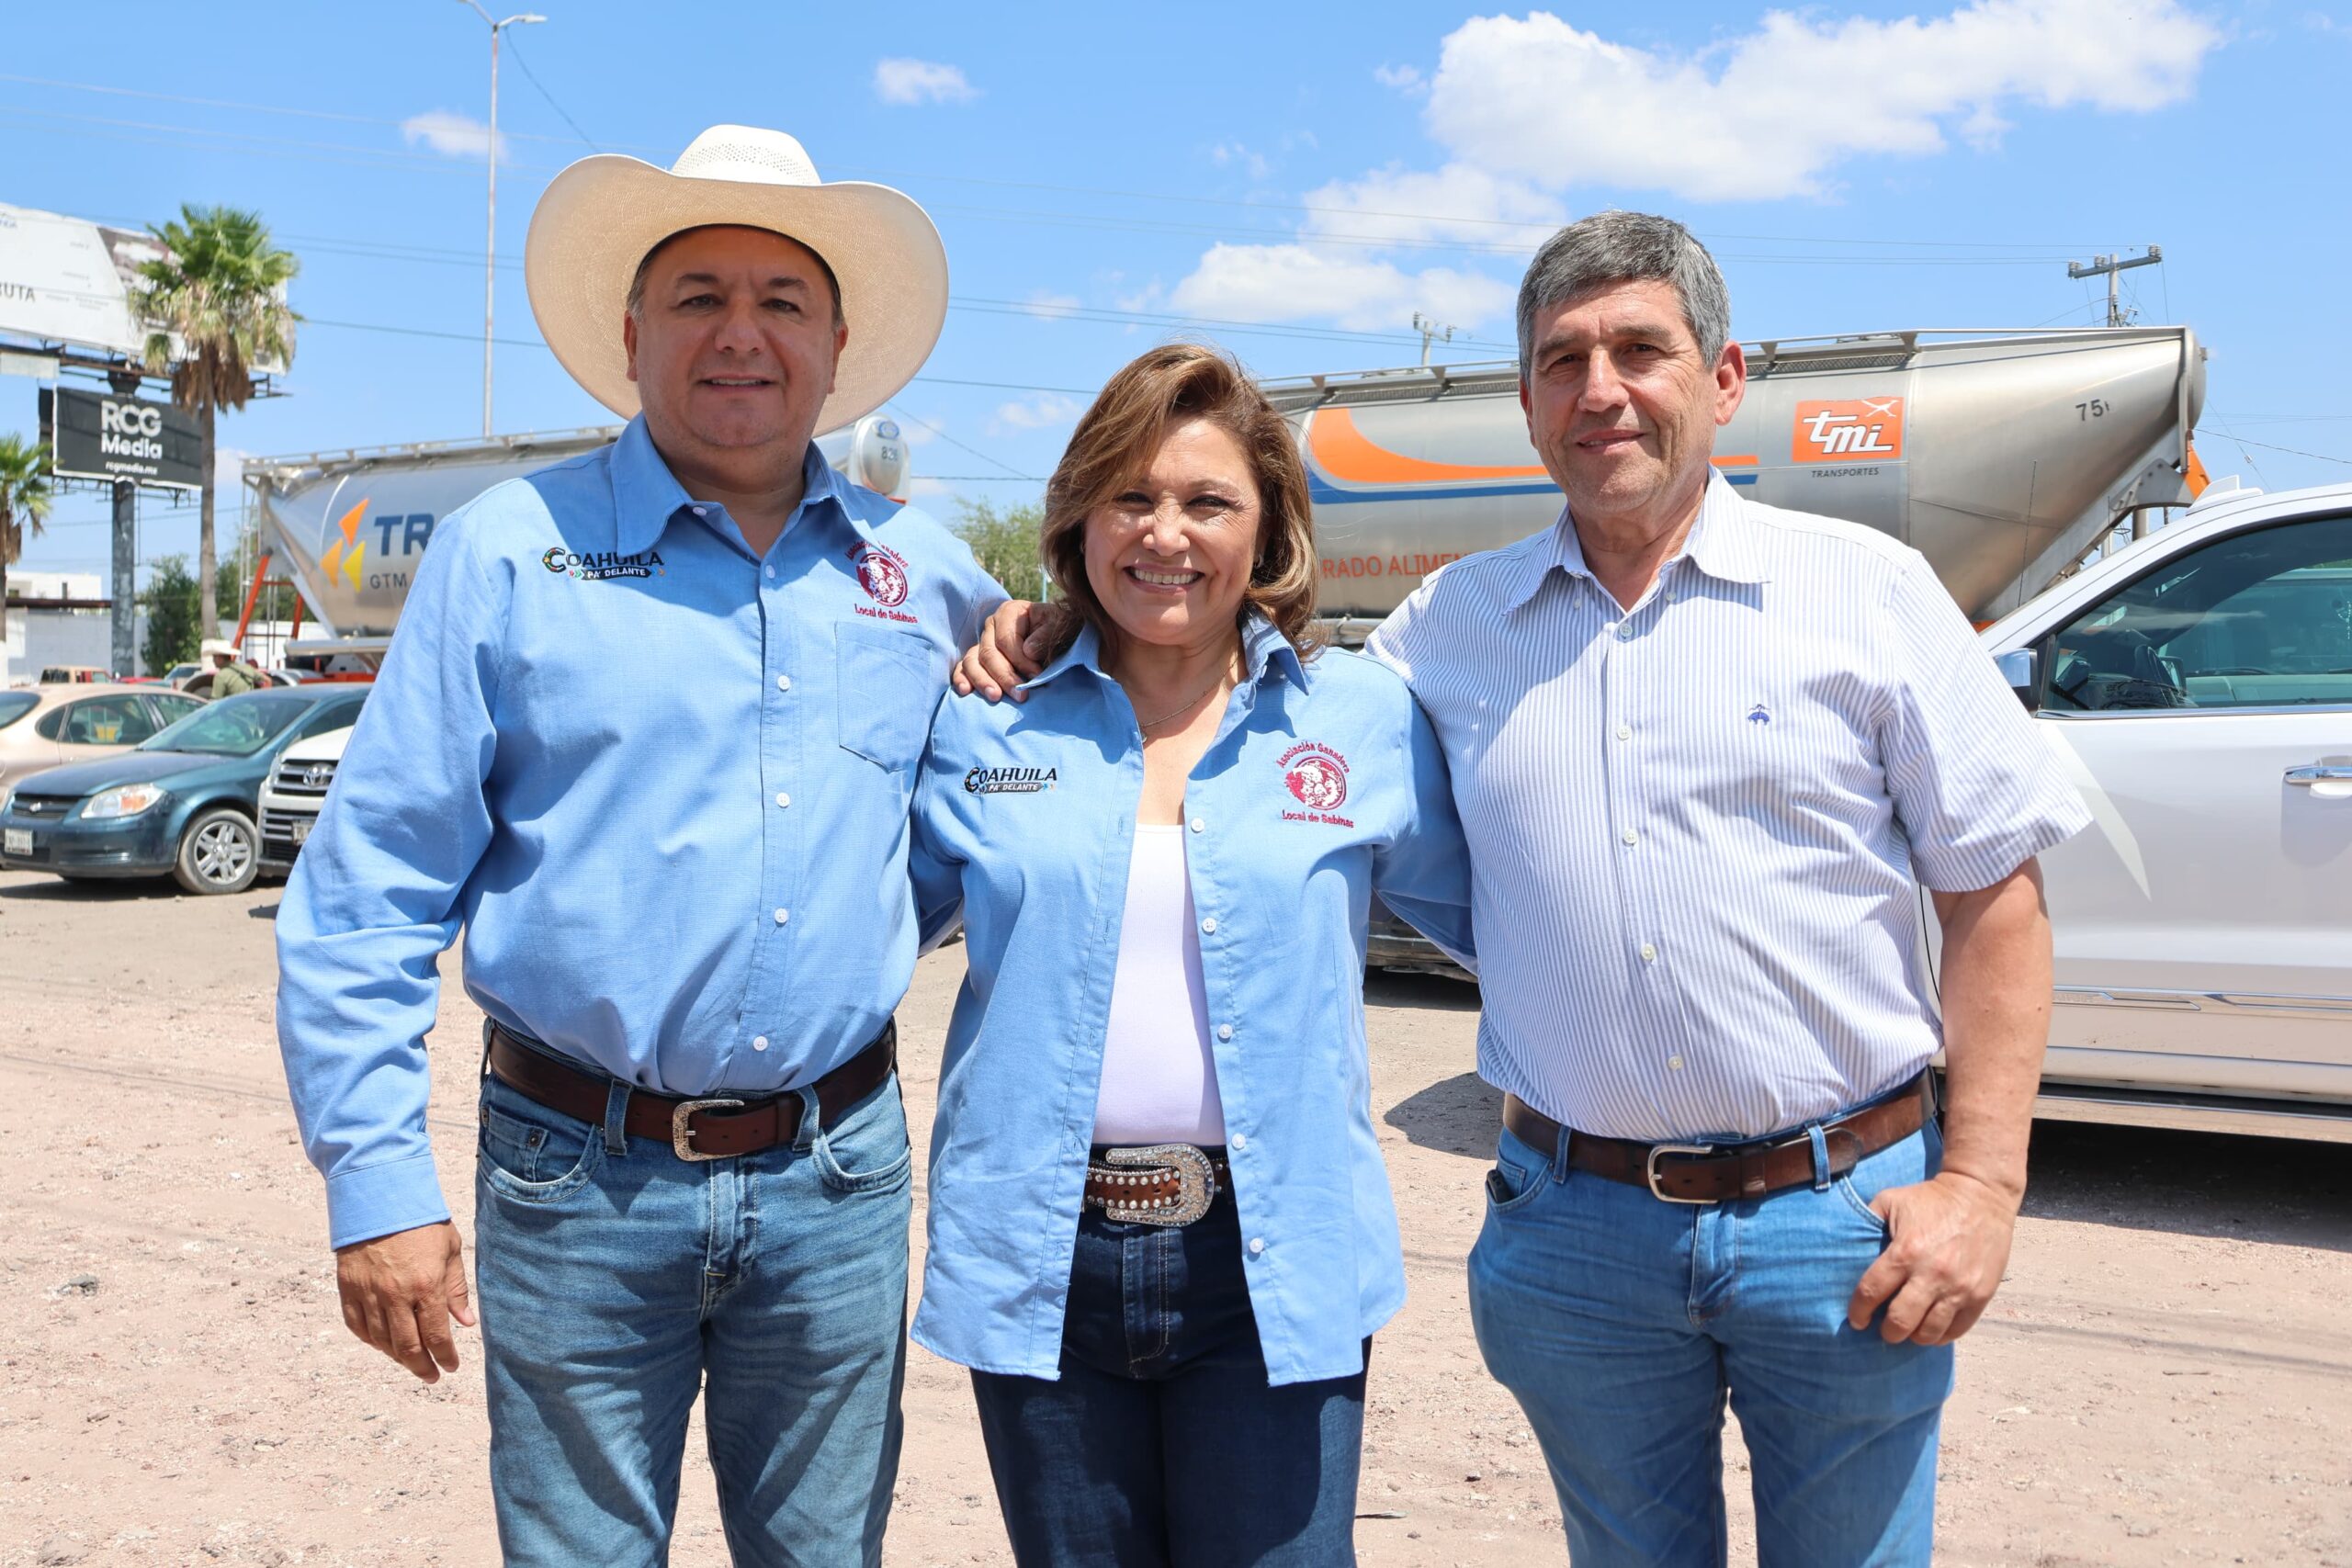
[{"x": 1705, "y": 753}]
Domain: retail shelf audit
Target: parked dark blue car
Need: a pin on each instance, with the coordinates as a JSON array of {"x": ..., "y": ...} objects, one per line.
[{"x": 183, "y": 802}]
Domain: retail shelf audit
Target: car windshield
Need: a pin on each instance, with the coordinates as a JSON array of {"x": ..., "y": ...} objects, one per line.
[
  {"x": 14, "y": 706},
  {"x": 234, "y": 727}
]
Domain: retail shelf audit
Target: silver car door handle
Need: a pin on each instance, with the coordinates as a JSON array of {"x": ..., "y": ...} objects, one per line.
[{"x": 2319, "y": 772}]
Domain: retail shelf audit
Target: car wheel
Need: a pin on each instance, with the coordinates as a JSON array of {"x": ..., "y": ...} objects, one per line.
[{"x": 219, "y": 853}]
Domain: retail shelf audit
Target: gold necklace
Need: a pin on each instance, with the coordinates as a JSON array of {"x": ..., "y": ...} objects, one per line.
[{"x": 1215, "y": 681}]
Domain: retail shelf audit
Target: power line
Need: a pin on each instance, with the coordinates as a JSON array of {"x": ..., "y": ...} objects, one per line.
[
  {"x": 975, "y": 451},
  {"x": 558, "y": 108}
]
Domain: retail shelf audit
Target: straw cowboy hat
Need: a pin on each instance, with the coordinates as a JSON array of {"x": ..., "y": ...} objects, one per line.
[{"x": 600, "y": 216}]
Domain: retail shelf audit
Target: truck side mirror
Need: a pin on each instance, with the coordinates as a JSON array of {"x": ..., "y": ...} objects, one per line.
[{"x": 2021, "y": 667}]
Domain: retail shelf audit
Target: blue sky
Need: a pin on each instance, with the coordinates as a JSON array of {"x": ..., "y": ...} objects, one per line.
[{"x": 1305, "y": 177}]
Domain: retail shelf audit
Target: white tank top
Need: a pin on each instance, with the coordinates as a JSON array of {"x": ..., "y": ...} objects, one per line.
[{"x": 1158, "y": 1073}]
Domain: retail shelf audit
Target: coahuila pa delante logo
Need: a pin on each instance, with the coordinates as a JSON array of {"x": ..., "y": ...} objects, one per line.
[
  {"x": 598, "y": 565},
  {"x": 1010, "y": 781}
]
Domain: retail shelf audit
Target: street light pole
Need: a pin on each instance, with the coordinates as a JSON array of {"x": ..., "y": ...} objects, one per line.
[{"x": 490, "y": 245}]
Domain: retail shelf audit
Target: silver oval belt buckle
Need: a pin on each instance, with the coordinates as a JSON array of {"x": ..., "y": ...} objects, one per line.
[{"x": 1195, "y": 1185}]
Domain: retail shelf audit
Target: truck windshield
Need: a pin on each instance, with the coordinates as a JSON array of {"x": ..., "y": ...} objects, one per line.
[
  {"x": 234, "y": 727},
  {"x": 14, "y": 706}
]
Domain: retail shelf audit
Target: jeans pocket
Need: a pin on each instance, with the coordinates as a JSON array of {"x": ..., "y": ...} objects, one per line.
[
  {"x": 1511, "y": 1184},
  {"x": 532, "y": 1155},
  {"x": 1859, "y": 1204},
  {"x": 869, "y": 1151}
]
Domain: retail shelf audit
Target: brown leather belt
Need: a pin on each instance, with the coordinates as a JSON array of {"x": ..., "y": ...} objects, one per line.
[
  {"x": 715, "y": 1127},
  {"x": 1164, "y": 1184},
  {"x": 1703, "y": 1173}
]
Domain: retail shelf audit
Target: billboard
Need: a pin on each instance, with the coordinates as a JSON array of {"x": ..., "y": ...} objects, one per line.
[
  {"x": 69, "y": 281},
  {"x": 100, "y": 435}
]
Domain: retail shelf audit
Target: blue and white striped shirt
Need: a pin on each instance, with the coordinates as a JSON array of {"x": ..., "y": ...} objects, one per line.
[{"x": 1699, "y": 825}]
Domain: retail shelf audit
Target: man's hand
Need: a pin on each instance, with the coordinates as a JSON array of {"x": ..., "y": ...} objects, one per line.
[
  {"x": 1012, "y": 649},
  {"x": 1949, "y": 1243},
  {"x": 400, "y": 1292}
]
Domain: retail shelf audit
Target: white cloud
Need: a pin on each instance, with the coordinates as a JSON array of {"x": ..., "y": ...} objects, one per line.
[
  {"x": 1774, "y": 112},
  {"x": 904, "y": 81},
  {"x": 1298, "y": 282},
  {"x": 1406, "y": 79},
  {"x": 1459, "y": 202},
  {"x": 1038, "y": 410},
  {"x": 922, "y": 489},
  {"x": 451, "y": 135},
  {"x": 1046, "y": 305},
  {"x": 1234, "y": 153}
]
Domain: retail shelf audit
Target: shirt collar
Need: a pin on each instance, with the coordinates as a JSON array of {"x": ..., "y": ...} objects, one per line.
[
  {"x": 1263, "y": 648},
  {"x": 1722, "y": 544},
  {"x": 647, "y": 495}
]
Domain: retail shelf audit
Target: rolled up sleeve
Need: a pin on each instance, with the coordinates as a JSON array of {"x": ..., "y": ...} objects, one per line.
[
  {"x": 374, "y": 898},
  {"x": 1976, "y": 789}
]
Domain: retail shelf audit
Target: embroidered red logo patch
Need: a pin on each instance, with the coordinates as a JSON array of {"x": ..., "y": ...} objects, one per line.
[
  {"x": 1316, "y": 775},
  {"x": 883, "y": 572}
]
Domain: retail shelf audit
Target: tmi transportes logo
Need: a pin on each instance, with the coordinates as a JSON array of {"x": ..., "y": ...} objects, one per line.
[
  {"x": 1316, "y": 775},
  {"x": 1848, "y": 430}
]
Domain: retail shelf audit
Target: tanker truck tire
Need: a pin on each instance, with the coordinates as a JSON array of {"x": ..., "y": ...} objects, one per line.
[{"x": 219, "y": 853}]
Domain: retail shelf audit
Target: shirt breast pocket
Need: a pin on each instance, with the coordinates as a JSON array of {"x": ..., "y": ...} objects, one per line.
[{"x": 888, "y": 689}]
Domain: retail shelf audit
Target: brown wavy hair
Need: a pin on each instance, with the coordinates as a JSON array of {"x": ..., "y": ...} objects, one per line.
[{"x": 1116, "y": 439}]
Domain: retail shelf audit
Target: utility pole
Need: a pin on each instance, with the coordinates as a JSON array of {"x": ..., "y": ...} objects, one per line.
[
  {"x": 1429, "y": 329},
  {"x": 2111, "y": 265},
  {"x": 124, "y": 653},
  {"x": 490, "y": 247}
]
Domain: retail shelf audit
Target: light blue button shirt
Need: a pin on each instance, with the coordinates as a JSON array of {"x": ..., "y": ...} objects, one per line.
[
  {"x": 662, "y": 784},
  {"x": 1324, "y": 785},
  {"x": 1701, "y": 823}
]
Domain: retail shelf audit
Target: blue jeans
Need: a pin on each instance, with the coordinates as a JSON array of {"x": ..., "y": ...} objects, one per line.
[
  {"x": 1161, "y": 1445},
  {"x": 1620, "y": 1322},
  {"x": 614, "y": 1277}
]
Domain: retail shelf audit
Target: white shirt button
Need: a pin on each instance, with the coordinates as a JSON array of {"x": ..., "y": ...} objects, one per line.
[
  {"x": 1199, "y": 825},
  {"x": 783, "y": 683},
  {"x": 1624, "y": 732},
  {"x": 781, "y": 916},
  {"x": 1629, "y": 836},
  {"x": 759, "y": 1043},
  {"x": 782, "y": 798},
  {"x": 1675, "y": 1062},
  {"x": 1238, "y": 1141},
  {"x": 1624, "y": 634},
  {"x": 1257, "y": 1244},
  {"x": 1208, "y": 927},
  {"x": 702, "y": 511},
  {"x": 1225, "y": 1031},
  {"x": 771, "y": 570},
  {"x": 1649, "y": 953}
]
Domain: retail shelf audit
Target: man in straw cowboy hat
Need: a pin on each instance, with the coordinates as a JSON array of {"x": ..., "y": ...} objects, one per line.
[{"x": 681, "y": 876}]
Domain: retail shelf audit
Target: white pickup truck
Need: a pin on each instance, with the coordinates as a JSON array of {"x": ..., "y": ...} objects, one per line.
[{"x": 2196, "y": 685}]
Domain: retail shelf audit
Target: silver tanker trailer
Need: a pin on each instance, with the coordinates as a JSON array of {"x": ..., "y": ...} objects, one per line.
[
  {"x": 2003, "y": 458},
  {"x": 349, "y": 527}
]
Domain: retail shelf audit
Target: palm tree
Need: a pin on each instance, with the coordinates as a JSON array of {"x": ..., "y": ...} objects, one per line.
[
  {"x": 215, "y": 307},
  {"x": 24, "y": 497}
]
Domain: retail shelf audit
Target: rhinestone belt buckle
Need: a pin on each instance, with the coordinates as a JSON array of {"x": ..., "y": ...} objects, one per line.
[{"x": 1195, "y": 1185}]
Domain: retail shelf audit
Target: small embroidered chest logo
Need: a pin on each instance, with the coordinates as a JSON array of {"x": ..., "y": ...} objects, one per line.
[{"x": 1010, "y": 781}]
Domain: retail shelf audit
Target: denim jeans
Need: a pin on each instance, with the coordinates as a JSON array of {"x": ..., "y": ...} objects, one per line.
[
  {"x": 1621, "y": 1322},
  {"x": 614, "y": 1278},
  {"x": 1161, "y": 1445}
]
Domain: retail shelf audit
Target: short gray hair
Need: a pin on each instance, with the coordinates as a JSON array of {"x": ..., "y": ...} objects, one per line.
[
  {"x": 645, "y": 266},
  {"x": 1610, "y": 248}
]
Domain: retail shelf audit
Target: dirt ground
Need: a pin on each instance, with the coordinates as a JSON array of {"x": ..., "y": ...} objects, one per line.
[{"x": 2165, "y": 1378}]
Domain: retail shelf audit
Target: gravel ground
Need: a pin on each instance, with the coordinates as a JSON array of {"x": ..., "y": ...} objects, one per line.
[{"x": 2165, "y": 1378}]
